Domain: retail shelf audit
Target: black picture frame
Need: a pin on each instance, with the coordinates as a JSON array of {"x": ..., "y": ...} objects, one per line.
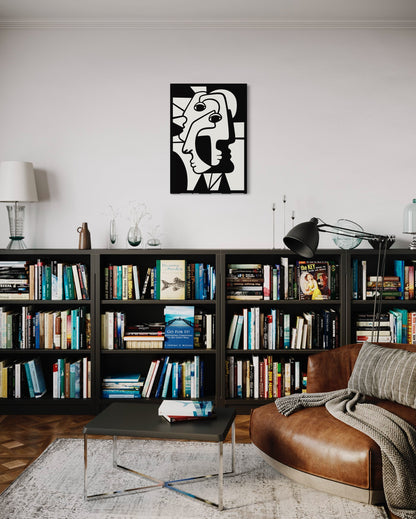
[{"x": 208, "y": 138}]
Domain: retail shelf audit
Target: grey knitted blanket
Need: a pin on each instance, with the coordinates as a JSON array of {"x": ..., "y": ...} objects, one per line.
[{"x": 395, "y": 437}]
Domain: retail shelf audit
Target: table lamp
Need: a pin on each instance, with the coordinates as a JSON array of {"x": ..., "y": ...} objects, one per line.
[
  {"x": 303, "y": 239},
  {"x": 409, "y": 222},
  {"x": 17, "y": 185}
]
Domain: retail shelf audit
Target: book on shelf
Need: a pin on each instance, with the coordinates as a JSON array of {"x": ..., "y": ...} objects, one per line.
[
  {"x": 179, "y": 327},
  {"x": 112, "y": 330},
  {"x": 398, "y": 284},
  {"x": 14, "y": 280},
  {"x": 171, "y": 279},
  {"x": 245, "y": 281},
  {"x": 56, "y": 280},
  {"x": 35, "y": 378},
  {"x": 166, "y": 279},
  {"x": 146, "y": 335},
  {"x": 256, "y": 329},
  {"x": 175, "y": 378},
  {"x": 121, "y": 282},
  {"x": 262, "y": 377},
  {"x": 283, "y": 281},
  {"x": 204, "y": 329},
  {"x": 128, "y": 385},
  {"x": 25, "y": 328},
  {"x": 71, "y": 378}
]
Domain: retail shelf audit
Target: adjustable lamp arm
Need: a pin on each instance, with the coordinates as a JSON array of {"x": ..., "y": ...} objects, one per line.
[{"x": 345, "y": 231}]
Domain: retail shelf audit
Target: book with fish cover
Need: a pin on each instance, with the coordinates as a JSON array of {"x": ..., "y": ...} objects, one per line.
[
  {"x": 179, "y": 327},
  {"x": 170, "y": 279}
]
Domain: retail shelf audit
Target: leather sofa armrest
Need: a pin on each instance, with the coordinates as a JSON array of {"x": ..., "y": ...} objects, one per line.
[{"x": 331, "y": 370}]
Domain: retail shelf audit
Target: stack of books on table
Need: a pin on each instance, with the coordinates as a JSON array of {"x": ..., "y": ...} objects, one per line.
[
  {"x": 184, "y": 410},
  {"x": 149, "y": 335},
  {"x": 122, "y": 386},
  {"x": 14, "y": 280}
]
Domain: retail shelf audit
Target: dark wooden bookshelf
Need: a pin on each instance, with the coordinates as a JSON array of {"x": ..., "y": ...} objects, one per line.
[{"x": 111, "y": 361}]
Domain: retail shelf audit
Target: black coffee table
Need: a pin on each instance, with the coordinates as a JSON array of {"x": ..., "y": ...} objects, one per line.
[{"x": 142, "y": 420}]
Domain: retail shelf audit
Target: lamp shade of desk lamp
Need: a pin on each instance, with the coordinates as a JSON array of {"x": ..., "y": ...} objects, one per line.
[
  {"x": 303, "y": 239},
  {"x": 409, "y": 222},
  {"x": 17, "y": 185}
]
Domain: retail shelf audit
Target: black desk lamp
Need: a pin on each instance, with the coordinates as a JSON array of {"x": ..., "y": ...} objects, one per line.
[{"x": 303, "y": 239}]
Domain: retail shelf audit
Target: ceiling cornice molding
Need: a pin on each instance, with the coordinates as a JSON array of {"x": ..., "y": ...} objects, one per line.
[{"x": 203, "y": 24}]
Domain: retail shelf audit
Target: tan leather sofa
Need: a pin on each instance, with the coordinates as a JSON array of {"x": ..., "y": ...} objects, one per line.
[{"x": 314, "y": 448}]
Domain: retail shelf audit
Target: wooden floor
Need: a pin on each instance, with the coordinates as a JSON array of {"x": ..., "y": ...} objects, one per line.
[{"x": 24, "y": 438}]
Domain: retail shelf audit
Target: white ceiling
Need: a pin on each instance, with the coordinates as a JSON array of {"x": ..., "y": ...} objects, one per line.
[{"x": 382, "y": 12}]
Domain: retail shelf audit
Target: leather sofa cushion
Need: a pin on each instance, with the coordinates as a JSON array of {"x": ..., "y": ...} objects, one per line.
[{"x": 313, "y": 441}]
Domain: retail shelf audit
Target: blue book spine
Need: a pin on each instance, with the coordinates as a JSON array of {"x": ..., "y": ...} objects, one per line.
[
  {"x": 72, "y": 376},
  {"x": 37, "y": 330},
  {"x": 355, "y": 278},
  {"x": 77, "y": 392},
  {"x": 162, "y": 377},
  {"x": 167, "y": 379},
  {"x": 201, "y": 378},
  {"x": 29, "y": 380},
  {"x": 399, "y": 271},
  {"x": 120, "y": 393},
  {"x": 175, "y": 386}
]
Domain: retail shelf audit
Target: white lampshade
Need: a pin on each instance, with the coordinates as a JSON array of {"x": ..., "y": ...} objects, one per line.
[
  {"x": 17, "y": 182},
  {"x": 409, "y": 218}
]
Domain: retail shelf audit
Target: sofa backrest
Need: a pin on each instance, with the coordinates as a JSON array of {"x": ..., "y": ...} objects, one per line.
[{"x": 331, "y": 370}]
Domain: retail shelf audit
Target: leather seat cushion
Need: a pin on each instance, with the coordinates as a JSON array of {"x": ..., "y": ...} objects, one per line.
[{"x": 313, "y": 441}]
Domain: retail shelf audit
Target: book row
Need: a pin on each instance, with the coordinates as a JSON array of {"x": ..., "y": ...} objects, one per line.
[
  {"x": 396, "y": 325},
  {"x": 397, "y": 285},
  {"x": 164, "y": 379},
  {"x": 168, "y": 279},
  {"x": 71, "y": 378},
  {"x": 43, "y": 281},
  {"x": 184, "y": 327},
  {"x": 302, "y": 280},
  {"x": 263, "y": 377},
  {"x": 255, "y": 329},
  {"x": 64, "y": 329},
  {"x": 25, "y": 379}
]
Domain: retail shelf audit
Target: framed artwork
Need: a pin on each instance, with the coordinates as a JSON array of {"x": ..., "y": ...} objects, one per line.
[{"x": 208, "y": 138}]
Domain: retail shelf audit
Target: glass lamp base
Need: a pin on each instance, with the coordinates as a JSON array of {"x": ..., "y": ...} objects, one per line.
[
  {"x": 412, "y": 244},
  {"x": 16, "y": 243}
]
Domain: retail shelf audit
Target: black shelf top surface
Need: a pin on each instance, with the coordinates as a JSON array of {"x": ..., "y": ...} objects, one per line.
[
  {"x": 44, "y": 351},
  {"x": 161, "y": 351},
  {"x": 133, "y": 419}
]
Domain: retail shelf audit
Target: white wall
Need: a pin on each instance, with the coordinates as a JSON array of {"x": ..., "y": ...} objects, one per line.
[{"x": 331, "y": 124}]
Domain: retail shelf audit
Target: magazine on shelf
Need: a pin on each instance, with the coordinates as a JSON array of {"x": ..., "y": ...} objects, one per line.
[{"x": 314, "y": 279}]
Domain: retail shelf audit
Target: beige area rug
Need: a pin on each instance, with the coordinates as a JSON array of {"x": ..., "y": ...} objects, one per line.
[{"x": 52, "y": 487}]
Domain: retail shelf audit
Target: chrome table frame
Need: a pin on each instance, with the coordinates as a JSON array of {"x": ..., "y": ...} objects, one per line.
[{"x": 170, "y": 485}]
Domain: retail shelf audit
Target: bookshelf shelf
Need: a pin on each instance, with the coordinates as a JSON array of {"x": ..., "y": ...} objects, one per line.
[{"x": 105, "y": 362}]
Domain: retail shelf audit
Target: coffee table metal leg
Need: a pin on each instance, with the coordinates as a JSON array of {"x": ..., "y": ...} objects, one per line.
[
  {"x": 220, "y": 476},
  {"x": 167, "y": 484},
  {"x": 85, "y": 466},
  {"x": 103, "y": 495}
]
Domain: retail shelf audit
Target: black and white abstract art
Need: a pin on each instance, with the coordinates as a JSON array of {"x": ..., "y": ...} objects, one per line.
[{"x": 208, "y": 138}]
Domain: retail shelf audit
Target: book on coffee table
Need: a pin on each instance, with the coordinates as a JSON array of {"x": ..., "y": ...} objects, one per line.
[{"x": 183, "y": 410}]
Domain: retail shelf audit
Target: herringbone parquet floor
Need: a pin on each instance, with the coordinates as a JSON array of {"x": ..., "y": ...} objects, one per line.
[{"x": 24, "y": 437}]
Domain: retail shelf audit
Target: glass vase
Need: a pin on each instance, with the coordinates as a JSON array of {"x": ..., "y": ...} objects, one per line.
[{"x": 134, "y": 236}]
